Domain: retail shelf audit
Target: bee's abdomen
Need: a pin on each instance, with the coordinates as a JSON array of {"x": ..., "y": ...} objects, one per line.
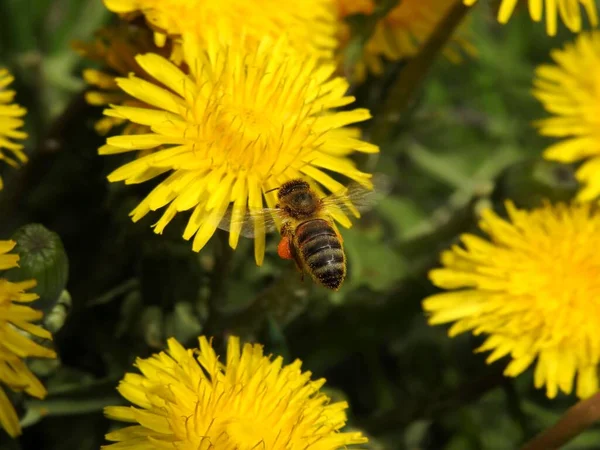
[{"x": 322, "y": 252}]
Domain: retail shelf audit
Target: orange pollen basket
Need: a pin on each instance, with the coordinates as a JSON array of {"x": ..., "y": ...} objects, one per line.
[{"x": 283, "y": 249}]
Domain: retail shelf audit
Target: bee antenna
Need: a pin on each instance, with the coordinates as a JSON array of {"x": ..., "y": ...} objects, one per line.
[{"x": 271, "y": 190}]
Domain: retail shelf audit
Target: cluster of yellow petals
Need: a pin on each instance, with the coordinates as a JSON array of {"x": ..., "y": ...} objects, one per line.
[
  {"x": 189, "y": 399},
  {"x": 240, "y": 123},
  {"x": 570, "y": 91},
  {"x": 309, "y": 25},
  {"x": 531, "y": 288},
  {"x": 569, "y": 12},
  {"x": 10, "y": 123},
  {"x": 115, "y": 47},
  {"x": 15, "y": 322}
]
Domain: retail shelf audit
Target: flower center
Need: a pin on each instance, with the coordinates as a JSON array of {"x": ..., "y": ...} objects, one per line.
[
  {"x": 562, "y": 272},
  {"x": 252, "y": 126},
  {"x": 555, "y": 284},
  {"x": 255, "y": 139}
]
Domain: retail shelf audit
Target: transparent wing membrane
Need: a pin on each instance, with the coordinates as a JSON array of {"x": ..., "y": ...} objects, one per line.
[
  {"x": 248, "y": 219},
  {"x": 351, "y": 201},
  {"x": 356, "y": 198}
]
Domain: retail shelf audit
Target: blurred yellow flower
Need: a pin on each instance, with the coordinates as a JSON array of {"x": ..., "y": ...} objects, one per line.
[
  {"x": 10, "y": 122},
  {"x": 241, "y": 123},
  {"x": 568, "y": 10},
  {"x": 15, "y": 321},
  {"x": 309, "y": 24},
  {"x": 190, "y": 399},
  {"x": 347, "y": 8},
  {"x": 115, "y": 47},
  {"x": 570, "y": 91},
  {"x": 401, "y": 33},
  {"x": 531, "y": 288}
]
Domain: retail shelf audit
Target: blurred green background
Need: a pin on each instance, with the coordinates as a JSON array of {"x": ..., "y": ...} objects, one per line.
[{"x": 464, "y": 142}]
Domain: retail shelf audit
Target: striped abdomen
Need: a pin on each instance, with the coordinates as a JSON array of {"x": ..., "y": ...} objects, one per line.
[{"x": 321, "y": 252}]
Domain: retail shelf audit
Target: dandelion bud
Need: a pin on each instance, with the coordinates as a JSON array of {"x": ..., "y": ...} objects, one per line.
[{"x": 43, "y": 258}]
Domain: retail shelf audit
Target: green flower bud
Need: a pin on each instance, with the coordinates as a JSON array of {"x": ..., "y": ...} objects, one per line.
[{"x": 43, "y": 258}]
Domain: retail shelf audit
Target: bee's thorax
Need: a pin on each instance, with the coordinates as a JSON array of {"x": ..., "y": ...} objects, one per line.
[{"x": 297, "y": 200}]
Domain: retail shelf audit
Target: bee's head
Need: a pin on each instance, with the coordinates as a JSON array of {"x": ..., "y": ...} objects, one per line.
[
  {"x": 292, "y": 187},
  {"x": 297, "y": 198}
]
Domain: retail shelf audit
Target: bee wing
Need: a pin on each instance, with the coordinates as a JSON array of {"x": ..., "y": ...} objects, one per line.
[
  {"x": 356, "y": 198},
  {"x": 247, "y": 221}
]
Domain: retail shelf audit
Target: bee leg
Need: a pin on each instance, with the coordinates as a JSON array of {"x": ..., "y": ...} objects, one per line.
[{"x": 298, "y": 263}]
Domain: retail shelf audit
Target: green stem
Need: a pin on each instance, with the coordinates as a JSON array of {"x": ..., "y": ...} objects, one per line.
[
  {"x": 116, "y": 292},
  {"x": 415, "y": 70}
]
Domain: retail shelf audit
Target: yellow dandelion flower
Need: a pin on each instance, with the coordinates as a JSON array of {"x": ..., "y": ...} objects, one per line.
[
  {"x": 401, "y": 33},
  {"x": 190, "y": 399},
  {"x": 568, "y": 10},
  {"x": 570, "y": 91},
  {"x": 16, "y": 318},
  {"x": 531, "y": 288},
  {"x": 239, "y": 124},
  {"x": 115, "y": 47},
  {"x": 10, "y": 122},
  {"x": 309, "y": 24}
]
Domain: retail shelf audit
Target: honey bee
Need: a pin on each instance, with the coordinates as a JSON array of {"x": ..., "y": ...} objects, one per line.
[{"x": 309, "y": 235}]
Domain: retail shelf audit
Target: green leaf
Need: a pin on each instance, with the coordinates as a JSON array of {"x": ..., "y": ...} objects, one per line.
[
  {"x": 371, "y": 261},
  {"x": 402, "y": 213}
]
